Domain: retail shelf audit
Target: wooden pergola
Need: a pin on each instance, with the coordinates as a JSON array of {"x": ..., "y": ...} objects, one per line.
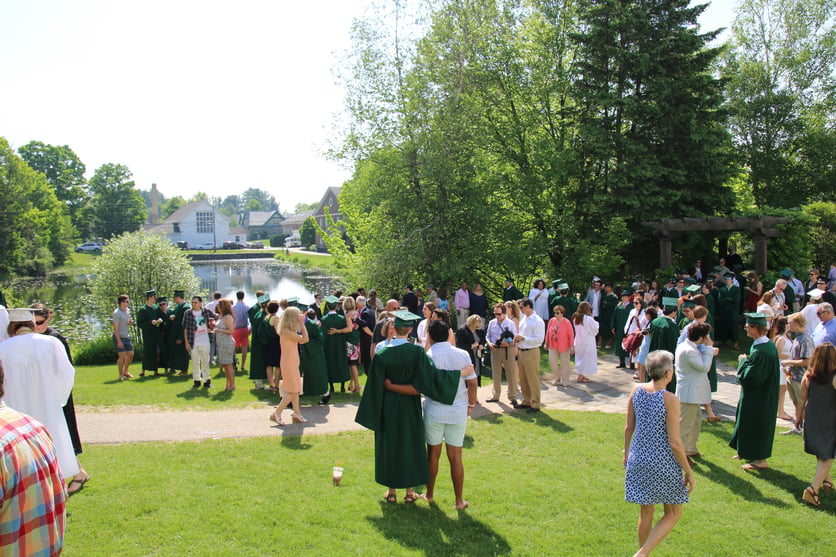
[{"x": 761, "y": 228}]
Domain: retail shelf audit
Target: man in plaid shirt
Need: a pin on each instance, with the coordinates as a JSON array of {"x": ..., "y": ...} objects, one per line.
[{"x": 32, "y": 494}]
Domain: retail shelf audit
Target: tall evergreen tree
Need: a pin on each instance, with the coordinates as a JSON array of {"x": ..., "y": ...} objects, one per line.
[{"x": 651, "y": 141}]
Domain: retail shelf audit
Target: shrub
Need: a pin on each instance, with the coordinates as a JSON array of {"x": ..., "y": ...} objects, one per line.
[
  {"x": 99, "y": 351},
  {"x": 277, "y": 241}
]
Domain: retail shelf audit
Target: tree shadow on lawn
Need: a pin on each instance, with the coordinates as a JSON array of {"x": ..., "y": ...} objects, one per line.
[
  {"x": 734, "y": 483},
  {"x": 537, "y": 418},
  {"x": 431, "y": 531}
]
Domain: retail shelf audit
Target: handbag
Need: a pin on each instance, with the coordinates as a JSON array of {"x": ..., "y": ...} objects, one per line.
[{"x": 633, "y": 341}]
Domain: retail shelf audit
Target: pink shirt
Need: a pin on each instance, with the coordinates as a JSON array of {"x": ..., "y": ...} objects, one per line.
[
  {"x": 560, "y": 337},
  {"x": 462, "y": 299}
]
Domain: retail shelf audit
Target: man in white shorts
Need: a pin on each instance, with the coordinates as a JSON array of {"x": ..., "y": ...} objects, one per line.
[{"x": 447, "y": 423}]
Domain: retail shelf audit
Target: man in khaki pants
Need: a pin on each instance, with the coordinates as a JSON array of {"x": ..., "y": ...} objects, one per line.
[
  {"x": 500, "y": 338},
  {"x": 693, "y": 360},
  {"x": 529, "y": 339}
]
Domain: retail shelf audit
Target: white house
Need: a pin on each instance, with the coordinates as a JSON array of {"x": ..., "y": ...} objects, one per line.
[{"x": 198, "y": 223}]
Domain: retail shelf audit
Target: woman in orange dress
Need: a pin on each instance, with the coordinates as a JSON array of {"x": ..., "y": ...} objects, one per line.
[{"x": 292, "y": 333}]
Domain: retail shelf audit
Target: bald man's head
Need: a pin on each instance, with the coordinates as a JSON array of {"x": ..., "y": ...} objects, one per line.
[{"x": 393, "y": 305}]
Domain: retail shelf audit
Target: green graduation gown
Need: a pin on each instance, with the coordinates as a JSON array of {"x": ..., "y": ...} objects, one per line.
[
  {"x": 608, "y": 305},
  {"x": 728, "y": 310},
  {"x": 178, "y": 357},
  {"x": 400, "y": 451},
  {"x": 617, "y": 322},
  {"x": 512, "y": 293},
  {"x": 258, "y": 371},
  {"x": 336, "y": 358},
  {"x": 568, "y": 302},
  {"x": 663, "y": 336},
  {"x": 312, "y": 362},
  {"x": 153, "y": 351},
  {"x": 758, "y": 376}
]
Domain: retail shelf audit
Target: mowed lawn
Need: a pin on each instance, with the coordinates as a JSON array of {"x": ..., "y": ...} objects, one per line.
[{"x": 545, "y": 485}]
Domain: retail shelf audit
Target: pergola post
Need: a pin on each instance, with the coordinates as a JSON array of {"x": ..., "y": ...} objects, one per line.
[
  {"x": 665, "y": 252},
  {"x": 760, "y": 253}
]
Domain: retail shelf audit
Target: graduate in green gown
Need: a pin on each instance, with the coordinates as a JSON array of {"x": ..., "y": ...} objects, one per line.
[
  {"x": 728, "y": 310},
  {"x": 617, "y": 323},
  {"x": 570, "y": 303},
  {"x": 312, "y": 361},
  {"x": 149, "y": 319},
  {"x": 511, "y": 292},
  {"x": 400, "y": 450},
  {"x": 258, "y": 370},
  {"x": 758, "y": 375},
  {"x": 334, "y": 329},
  {"x": 607, "y": 310},
  {"x": 178, "y": 357},
  {"x": 664, "y": 333},
  {"x": 162, "y": 301}
]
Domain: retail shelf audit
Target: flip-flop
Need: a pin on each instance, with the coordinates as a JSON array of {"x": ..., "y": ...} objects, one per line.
[
  {"x": 750, "y": 466},
  {"x": 390, "y": 498},
  {"x": 410, "y": 498},
  {"x": 80, "y": 483}
]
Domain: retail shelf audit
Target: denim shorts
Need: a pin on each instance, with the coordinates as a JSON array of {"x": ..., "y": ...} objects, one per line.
[{"x": 126, "y": 344}]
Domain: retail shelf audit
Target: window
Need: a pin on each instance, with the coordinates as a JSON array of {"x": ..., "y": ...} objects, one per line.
[{"x": 205, "y": 223}]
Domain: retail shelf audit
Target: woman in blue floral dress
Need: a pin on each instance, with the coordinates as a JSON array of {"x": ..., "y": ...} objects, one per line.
[{"x": 654, "y": 455}]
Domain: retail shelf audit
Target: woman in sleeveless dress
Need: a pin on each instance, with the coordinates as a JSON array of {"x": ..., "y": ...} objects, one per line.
[
  {"x": 586, "y": 354},
  {"x": 817, "y": 407},
  {"x": 292, "y": 333},
  {"x": 654, "y": 456},
  {"x": 225, "y": 343}
]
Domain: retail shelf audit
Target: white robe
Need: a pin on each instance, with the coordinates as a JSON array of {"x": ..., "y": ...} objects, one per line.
[
  {"x": 586, "y": 355},
  {"x": 541, "y": 303},
  {"x": 39, "y": 379}
]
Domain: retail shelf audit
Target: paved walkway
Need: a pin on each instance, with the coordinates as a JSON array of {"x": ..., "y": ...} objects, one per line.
[{"x": 607, "y": 392}]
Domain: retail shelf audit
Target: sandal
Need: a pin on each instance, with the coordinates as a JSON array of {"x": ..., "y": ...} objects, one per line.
[
  {"x": 275, "y": 420},
  {"x": 811, "y": 497},
  {"x": 410, "y": 497},
  {"x": 80, "y": 483},
  {"x": 827, "y": 485},
  {"x": 390, "y": 497}
]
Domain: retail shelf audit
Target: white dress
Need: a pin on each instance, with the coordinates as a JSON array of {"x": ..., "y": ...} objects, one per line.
[
  {"x": 540, "y": 298},
  {"x": 586, "y": 355},
  {"x": 39, "y": 379}
]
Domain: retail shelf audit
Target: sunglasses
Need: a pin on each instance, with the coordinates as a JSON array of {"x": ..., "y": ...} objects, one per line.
[{"x": 39, "y": 323}]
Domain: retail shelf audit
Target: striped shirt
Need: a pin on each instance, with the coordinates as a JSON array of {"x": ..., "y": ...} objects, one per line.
[{"x": 32, "y": 494}]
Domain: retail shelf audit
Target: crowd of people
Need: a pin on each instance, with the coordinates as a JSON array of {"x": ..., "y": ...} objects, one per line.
[{"x": 668, "y": 333}]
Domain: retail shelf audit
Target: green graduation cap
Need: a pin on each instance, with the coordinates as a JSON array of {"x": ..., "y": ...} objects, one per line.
[
  {"x": 688, "y": 304},
  {"x": 626, "y": 292},
  {"x": 331, "y": 299},
  {"x": 563, "y": 286},
  {"x": 150, "y": 293},
  {"x": 728, "y": 276},
  {"x": 162, "y": 300},
  {"x": 670, "y": 303},
  {"x": 556, "y": 282},
  {"x": 180, "y": 293},
  {"x": 405, "y": 318},
  {"x": 693, "y": 289},
  {"x": 786, "y": 273},
  {"x": 263, "y": 299},
  {"x": 756, "y": 319}
]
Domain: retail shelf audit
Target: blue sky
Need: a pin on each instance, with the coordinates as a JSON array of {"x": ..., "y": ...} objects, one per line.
[{"x": 193, "y": 95}]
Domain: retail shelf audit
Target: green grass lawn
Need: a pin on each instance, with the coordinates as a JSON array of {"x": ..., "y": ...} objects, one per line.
[
  {"x": 550, "y": 485},
  {"x": 98, "y": 386},
  {"x": 320, "y": 260}
]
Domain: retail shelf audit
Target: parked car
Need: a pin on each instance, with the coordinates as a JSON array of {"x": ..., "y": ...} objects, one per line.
[
  {"x": 255, "y": 245},
  {"x": 205, "y": 245},
  {"x": 182, "y": 244},
  {"x": 233, "y": 245},
  {"x": 89, "y": 246}
]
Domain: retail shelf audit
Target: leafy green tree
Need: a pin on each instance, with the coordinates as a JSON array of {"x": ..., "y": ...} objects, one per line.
[
  {"x": 134, "y": 263},
  {"x": 116, "y": 206},
  {"x": 65, "y": 173},
  {"x": 255, "y": 199},
  {"x": 171, "y": 205},
  {"x": 650, "y": 130},
  {"x": 305, "y": 207},
  {"x": 307, "y": 232},
  {"x": 782, "y": 94},
  {"x": 34, "y": 225},
  {"x": 822, "y": 232},
  {"x": 230, "y": 206}
]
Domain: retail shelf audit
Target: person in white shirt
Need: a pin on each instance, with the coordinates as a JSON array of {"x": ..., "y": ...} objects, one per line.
[
  {"x": 500, "y": 339},
  {"x": 693, "y": 360},
  {"x": 529, "y": 339}
]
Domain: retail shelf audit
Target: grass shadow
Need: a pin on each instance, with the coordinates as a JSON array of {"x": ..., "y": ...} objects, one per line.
[
  {"x": 293, "y": 441},
  {"x": 538, "y": 418},
  {"x": 431, "y": 531},
  {"x": 791, "y": 484},
  {"x": 195, "y": 393},
  {"x": 222, "y": 395},
  {"x": 734, "y": 483}
]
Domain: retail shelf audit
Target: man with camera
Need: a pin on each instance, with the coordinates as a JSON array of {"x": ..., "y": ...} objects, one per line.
[{"x": 500, "y": 338}]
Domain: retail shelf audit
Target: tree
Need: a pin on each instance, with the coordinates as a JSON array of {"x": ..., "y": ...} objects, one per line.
[
  {"x": 305, "y": 207},
  {"x": 134, "y": 263},
  {"x": 231, "y": 206},
  {"x": 258, "y": 200},
  {"x": 307, "y": 232},
  {"x": 65, "y": 173},
  {"x": 650, "y": 129},
  {"x": 116, "y": 206},
  {"x": 34, "y": 225},
  {"x": 171, "y": 205},
  {"x": 782, "y": 95}
]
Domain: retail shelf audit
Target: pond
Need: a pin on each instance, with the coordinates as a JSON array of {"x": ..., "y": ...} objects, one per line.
[{"x": 65, "y": 293}]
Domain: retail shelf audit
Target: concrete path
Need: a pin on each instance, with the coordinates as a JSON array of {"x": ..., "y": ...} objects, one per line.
[{"x": 607, "y": 392}]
